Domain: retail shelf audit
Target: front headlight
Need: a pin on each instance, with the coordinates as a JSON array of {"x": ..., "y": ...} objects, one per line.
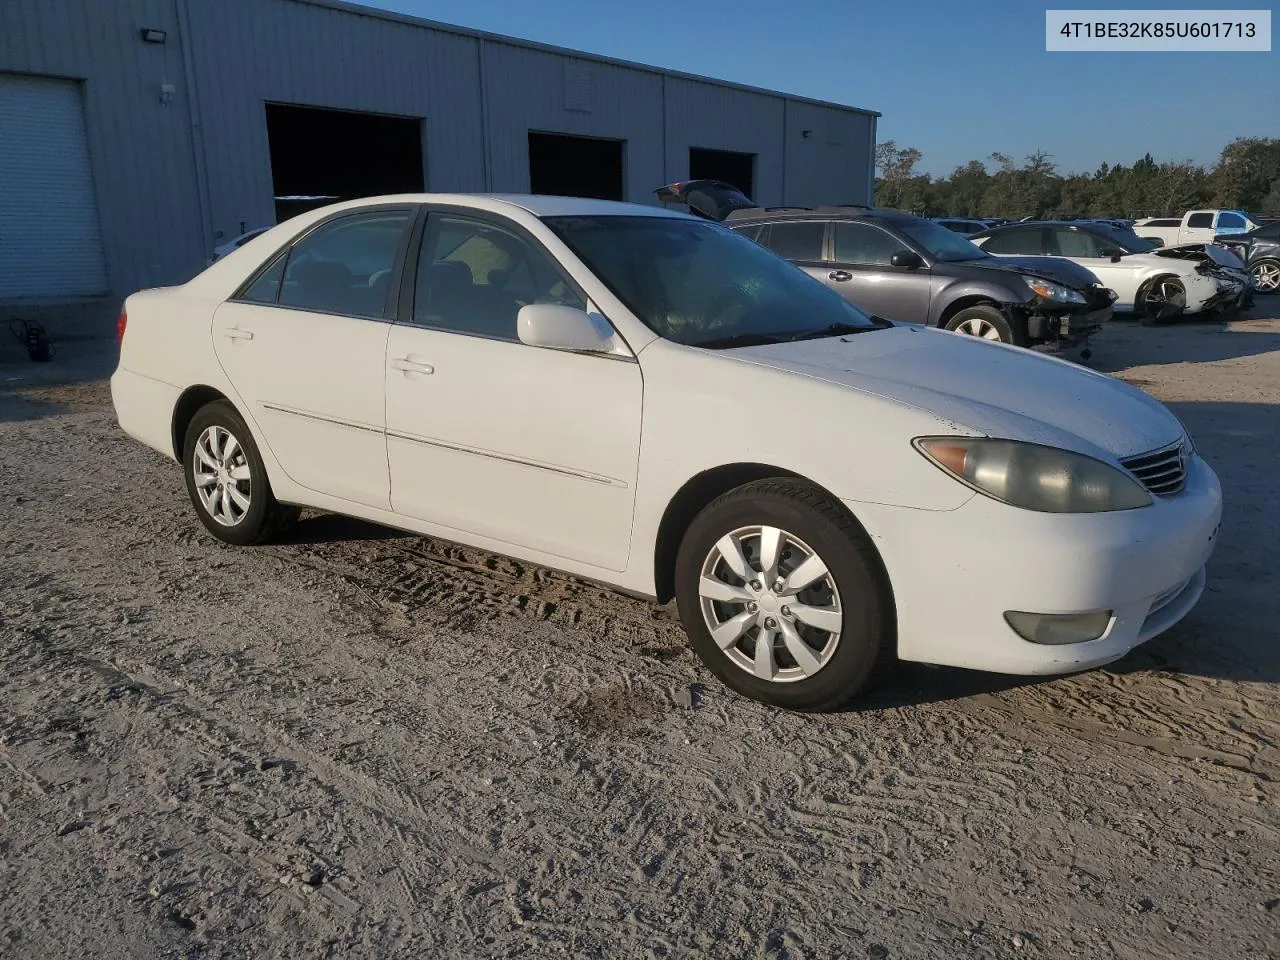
[
  {"x": 1035, "y": 477},
  {"x": 1054, "y": 291}
]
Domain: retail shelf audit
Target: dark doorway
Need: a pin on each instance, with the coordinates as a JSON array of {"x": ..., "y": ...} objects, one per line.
[
  {"x": 735, "y": 169},
  {"x": 565, "y": 166},
  {"x": 323, "y": 156}
]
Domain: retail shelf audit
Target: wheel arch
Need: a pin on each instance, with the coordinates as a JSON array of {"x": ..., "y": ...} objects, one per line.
[
  {"x": 966, "y": 301},
  {"x": 188, "y": 405},
  {"x": 702, "y": 489}
]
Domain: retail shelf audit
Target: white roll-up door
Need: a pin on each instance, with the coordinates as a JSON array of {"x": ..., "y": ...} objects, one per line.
[{"x": 50, "y": 238}]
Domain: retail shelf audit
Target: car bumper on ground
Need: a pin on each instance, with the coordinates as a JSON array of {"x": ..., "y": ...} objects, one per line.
[{"x": 956, "y": 573}]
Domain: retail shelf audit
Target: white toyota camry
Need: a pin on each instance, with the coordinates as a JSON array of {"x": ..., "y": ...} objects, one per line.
[{"x": 646, "y": 399}]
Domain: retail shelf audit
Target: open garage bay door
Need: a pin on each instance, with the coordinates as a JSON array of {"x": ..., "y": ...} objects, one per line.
[
  {"x": 50, "y": 237},
  {"x": 566, "y": 166},
  {"x": 736, "y": 169},
  {"x": 321, "y": 156}
]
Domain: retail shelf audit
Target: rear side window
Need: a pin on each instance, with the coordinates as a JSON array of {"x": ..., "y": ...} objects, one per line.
[
  {"x": 1163, "y": 223},
  {"x": 1076, "y": 243},
  {"x": 1228, "y": 221},
  {"x": 1028, "y": 241},
  {"x": 345, "y": 266},
  {"x": 267, "y": 287},
  {"x": 795, "y": 241},
  {"x": 1200, "y": 220},
  {"x": 863, "y": 243}
]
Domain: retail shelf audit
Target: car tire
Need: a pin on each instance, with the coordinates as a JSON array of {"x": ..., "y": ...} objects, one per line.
[
  {"x": 816, "y": 660},
  {"x": 1266, "y": 276},
  {"x": 983, "y": 322},
  {"x": 226, "y": 479},
  {"x": 1159, "y": 292}
]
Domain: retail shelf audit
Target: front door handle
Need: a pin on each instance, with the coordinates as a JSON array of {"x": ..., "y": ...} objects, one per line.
[
  {"x": 840, "y": 276},
  {"x": 405, "y": 365},
  {"x": 235, "y": 333}
]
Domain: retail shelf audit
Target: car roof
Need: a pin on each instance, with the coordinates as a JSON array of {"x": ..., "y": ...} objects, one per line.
[
  {"x": 850, "y": 212},
  {"x": 539, "y": 206}
]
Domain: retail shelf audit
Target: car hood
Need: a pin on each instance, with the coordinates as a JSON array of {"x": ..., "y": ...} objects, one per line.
[
  {"x": 1048, "y": 268},
  {"x": 988, "y": 388}
]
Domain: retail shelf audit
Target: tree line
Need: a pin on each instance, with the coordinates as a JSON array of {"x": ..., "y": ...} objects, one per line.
[{"x": 1246, "y": 176}]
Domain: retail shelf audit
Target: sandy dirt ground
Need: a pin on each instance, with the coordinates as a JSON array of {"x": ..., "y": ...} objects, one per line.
[{"x": 364, "y": 743}]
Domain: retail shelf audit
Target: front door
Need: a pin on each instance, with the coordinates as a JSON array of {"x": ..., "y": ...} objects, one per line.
[
  {"x": 528, "y": 446},
  {"x": 304, "y": 347},
  {"x": 862, "y": 272}
]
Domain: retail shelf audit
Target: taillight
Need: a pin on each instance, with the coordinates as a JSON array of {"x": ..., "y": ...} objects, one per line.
[{"x": 121, "y": 324}]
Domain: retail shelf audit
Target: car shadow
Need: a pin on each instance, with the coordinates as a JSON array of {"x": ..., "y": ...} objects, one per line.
[
  {"x": 320, "y": 528},
  {"x": 31, "y": 390}
]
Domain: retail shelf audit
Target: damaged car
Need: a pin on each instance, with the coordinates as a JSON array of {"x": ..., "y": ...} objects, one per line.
[
  {"x": 908, "y": 269},
  {"x": 1259, "y": 251},
  {"x": 1158, "y": 283}
]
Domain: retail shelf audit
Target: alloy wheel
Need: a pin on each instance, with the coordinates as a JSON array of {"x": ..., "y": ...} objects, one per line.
[
  {"x": 978, "y": 327},
  {"x": 222, "y": 477},
  {"x": 1266, "y": 277},
  {"x": 1167, "y": 292},
  {"x": 770, "y": 604}
]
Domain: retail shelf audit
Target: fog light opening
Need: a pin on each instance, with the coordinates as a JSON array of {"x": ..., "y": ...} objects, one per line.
[{"x": 1058, "y": 628}]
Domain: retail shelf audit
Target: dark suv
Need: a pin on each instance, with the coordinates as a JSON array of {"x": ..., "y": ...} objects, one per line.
[
  {"x": 1260, "y": 251},
  {"x": 911, "y": 270}
]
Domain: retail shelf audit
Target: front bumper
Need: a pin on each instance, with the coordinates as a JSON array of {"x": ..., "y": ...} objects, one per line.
[{"x": 955, "y": 573}]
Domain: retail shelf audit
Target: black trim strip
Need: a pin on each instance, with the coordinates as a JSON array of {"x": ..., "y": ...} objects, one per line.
[{"x": 458, "y": 448}]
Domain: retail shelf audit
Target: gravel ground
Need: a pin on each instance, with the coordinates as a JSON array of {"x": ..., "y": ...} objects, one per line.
[{"x": 364, "y": 743}]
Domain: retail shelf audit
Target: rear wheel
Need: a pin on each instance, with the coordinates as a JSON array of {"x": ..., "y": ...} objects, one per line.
[
  {"x": 227, "y": 481},
  {"x": 983, "y": 322},
  {"x": 783, "y": 595},
  {"x": 1266, "y": 276}
]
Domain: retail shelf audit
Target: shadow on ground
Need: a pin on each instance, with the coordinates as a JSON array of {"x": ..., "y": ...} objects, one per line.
[{"x": 1132, "y": 344}]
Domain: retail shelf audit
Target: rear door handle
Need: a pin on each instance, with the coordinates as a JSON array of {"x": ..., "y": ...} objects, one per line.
[
  {"x": 235, "y": 333},
  {"x": 406, "y": 365},
  {"x": 840, "y": 275}
]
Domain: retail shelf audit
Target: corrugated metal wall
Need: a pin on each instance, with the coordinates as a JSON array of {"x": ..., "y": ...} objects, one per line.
[
  {"x": 176, "y": 178},
  {"x": 139, "y": 147}
]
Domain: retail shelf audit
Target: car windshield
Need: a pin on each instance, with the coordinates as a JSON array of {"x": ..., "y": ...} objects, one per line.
[
  {"x": 939, "y": 242},
  {"x": 701, "y": 284}
]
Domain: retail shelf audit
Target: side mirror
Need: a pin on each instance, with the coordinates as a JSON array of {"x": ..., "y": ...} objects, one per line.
[
  {"x": 907, "y": 258},
  {"x": 1115, "y": 253},
  {"x": 558, "y": 327}
]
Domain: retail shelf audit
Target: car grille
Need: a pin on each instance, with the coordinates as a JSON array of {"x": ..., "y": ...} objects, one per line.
[{"x": 1163, "y": 471}]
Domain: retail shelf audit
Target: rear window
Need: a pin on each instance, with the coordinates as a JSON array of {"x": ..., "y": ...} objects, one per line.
[
  {"x": 1200, "y": 220},
  {"x": 796, "y": 241}
]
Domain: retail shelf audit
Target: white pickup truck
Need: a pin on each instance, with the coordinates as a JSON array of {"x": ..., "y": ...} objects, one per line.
[{"x": 1196, "y": 226}]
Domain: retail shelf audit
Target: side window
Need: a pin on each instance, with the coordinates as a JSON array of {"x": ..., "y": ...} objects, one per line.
[
  {"x": 1163, "y": 223},
  {"x": 345, "y": 266},
  {"x": 474, "y": 277},
  {"x": 267, "y": 287},
  {"x": 1028, "y": 241},
  {"x": 1230, "y": 221},
  {"x": 1200, "y": 220},
  {"x": 863, "y": 243},
  {"x": 1076, "y": 243},
  {"x": 801, "y": 240}
]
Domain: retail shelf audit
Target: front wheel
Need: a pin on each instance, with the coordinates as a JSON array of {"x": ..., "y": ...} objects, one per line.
[
  {"x": 1165, "y": 298},
  {"x": 783, "y": 595},
  {"x": 983, "y": 322},
  {"x": 227, "y": 481},
  {"x": 1266, "y": 276}
]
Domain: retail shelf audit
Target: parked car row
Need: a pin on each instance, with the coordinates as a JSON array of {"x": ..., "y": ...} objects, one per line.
[{"x": 645, "y": 399}]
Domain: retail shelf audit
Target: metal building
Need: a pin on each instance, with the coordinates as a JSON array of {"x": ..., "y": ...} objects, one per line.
[{"x": 136, "y": 135}]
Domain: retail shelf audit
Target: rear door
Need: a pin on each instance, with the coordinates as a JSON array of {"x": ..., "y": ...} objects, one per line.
[
  {"x": 861, "y": 270},
  {"x": 1198, "y": 227},
  {"x": 304, "y": 346}
]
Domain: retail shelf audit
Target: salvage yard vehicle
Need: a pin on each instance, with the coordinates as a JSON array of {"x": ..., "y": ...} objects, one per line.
[
  {"x": 911, "y": 270},
  {"x": 1195, "y": 226},
  {"x": 1259, "y": 250},
  {"x": 649, "y": 400},
  {"x": 1160, "y": 283}
]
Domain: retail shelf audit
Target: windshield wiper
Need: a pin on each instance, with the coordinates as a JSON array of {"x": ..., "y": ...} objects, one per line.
[
  {"x": 740, "y": 340},
  {"x": 839, "y": 330}
]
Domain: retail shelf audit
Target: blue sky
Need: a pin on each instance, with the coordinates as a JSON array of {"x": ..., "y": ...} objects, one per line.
[{"x": 958, "y": 80}]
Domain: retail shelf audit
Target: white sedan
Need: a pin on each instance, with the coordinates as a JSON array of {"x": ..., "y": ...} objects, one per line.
[
  {"x": 646, "y": 399},
  {"x": 1158, "y": 283}
]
